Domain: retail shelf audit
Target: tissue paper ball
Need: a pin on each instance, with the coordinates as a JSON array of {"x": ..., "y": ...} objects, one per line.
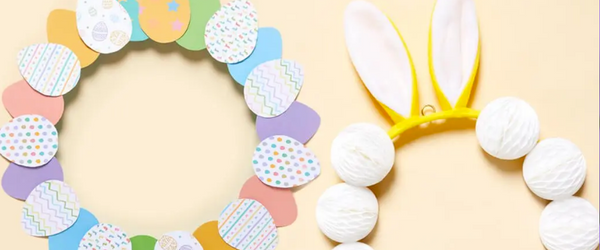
[
  {"x": 362, "y": 154},
  {"x": 570, "y": 224},
  {"x": 347, "y": 213},
  {"x": 353, "y": 246},
  {"x": 554, "y": 169},
  {"x": 507, "y": 128}
]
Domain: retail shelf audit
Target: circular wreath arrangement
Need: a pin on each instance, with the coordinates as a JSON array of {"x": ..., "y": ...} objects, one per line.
[
  {"x": 231, "y": 35},
  {"x": 507, "y": 128}
]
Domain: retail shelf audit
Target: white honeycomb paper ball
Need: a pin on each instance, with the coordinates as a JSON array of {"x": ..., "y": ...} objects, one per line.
[
  {"x": 362, "y": 154},
  {"x": 347, "y": 213},
  {"x": 507, "y": 128},
  {"x": 570, "y": 224},
  {"x": 554, "y": 169},
  {"x": 353, "y": 246}
]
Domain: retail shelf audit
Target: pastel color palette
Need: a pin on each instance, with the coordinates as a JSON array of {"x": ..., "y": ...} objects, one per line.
[
  {"x": 279, "y": 201},
  {"x": 268, "y": 47},
  {"x": 299, "y": 122},
  {"x": 70, "y": 238},
  {"x": 247, "y": 224},
  {"x": 18, "y": 181},
  {"x": 20, "y": 99},
  {"x": 29, "y": 140},
  {"x": 133, "y": 9},
  {"x": 105, "y": 237}
]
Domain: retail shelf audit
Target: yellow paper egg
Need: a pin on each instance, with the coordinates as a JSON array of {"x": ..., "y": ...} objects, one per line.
[
  {"x": 62, "y": 29},
  {"x": 164, "y": 21}
]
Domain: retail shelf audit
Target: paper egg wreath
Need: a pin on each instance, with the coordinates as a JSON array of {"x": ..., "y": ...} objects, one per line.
[
  {"x": 231, "y": 35},
  {"x": 507, "y": 128}
]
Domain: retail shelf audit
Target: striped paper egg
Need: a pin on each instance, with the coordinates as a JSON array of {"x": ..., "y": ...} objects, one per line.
[
  {"x": 247, "y": 224},
  {"x": 273, "y": 86},
  {"x": 51, "y": 69},
  {"x": 51, "y": 208}
]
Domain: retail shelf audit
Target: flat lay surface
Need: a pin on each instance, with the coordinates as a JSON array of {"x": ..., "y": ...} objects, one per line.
[{"x": 157, "y": 139}]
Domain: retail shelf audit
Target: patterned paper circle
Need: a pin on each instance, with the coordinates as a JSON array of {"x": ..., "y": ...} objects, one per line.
[
  {"x": 232, "y": 32},
  {"x": 177, "y": 240},
  {"x": 28, "y": 140},
  {"x": 247, "y": 224},
  {"x": 272, "y": 87},
  {"x": 104, "y": 25},
  {"x": 283, "y": 162},
  {"x": 51, "y": 69},
  {"x": 105, "y": 237},
  {"x": 52, "y": 207},
  {"x": 164, "y": 21}
]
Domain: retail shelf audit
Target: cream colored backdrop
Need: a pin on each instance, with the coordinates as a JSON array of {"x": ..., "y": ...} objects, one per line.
[{"x": 157, "y": 139}]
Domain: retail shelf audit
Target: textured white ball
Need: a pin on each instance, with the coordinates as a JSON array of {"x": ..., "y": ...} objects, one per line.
[
  {"x": 353, "y": 246},
  {"x": 347, "y": 213},
  {"x": 554, "y": 169},
  {"x": 570, "y": 224},
  {"x": 507, "y": 128},
  {"x": 362, "y": 154}
]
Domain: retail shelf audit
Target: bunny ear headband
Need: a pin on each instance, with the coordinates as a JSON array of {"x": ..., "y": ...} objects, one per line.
[{"x": 507, "y": 128}]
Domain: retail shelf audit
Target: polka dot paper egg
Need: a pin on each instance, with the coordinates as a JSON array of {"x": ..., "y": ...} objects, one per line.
[
  {"x": 570, "y": 224},
  {"x": 247, "y": 224},
  {"x": 178, "y": 240},
  {"x": 28, "y": 140},
  {"x": 282, "y": 162}
]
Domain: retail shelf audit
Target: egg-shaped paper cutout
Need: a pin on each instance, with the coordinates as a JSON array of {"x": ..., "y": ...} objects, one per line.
[
  {"x": 62, "y": 29},
  {"x": 282, "y": 162},
  {"x": 232, "y": 32},
  {"x": 299, "y": 122},
  {"x": 28, "y": 140},
  {"x": 51, "y": 208},
  {"x": 209, "y": 238},
  {"x": 20, "y": 99},
  {"x": 247, "y": 223},
  {"x": 164, "y": 21},
  {"x": 105, "y": 237},
  {"x": 279, "y": 201},
  {"x": 178, "y": 240},
  {"x": 269, "y": 46},
  {"x": 201, "y": 11},
  {"x": 18, "y": 182},
  {"x": 70, "y": 238},
  {"x": 103, "y": 25},
  {"x": 273, "y": 86},
  {"x": 133, "y": 9},
  {"x": 143, "y": 242},
  {"x": 49, "y": 68}
]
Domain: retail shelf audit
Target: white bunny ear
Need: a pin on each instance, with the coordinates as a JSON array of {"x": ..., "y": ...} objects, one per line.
[
  {"x": 381, "y": 59},
  {"x": 454, "y": 51}
]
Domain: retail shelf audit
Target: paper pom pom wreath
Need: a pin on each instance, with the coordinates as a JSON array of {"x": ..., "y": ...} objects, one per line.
[
  {"x": 507, "y": 128},
  {"x": 231, "y": 34}
]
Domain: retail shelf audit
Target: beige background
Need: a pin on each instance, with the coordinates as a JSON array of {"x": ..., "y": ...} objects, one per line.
[{"x": 157, "y": 139}]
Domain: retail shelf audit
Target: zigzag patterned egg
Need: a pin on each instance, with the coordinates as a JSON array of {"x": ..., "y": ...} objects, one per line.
[
  {"x": 273, "y": 86},
  {"x": 283, "y": 162},
  {"x": 51, "y": 208}
]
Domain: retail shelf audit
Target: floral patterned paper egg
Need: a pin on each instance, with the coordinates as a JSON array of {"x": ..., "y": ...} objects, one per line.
[
  {"x": 178, "y": 240},
  {"x": 104, "y": 26},
  {"x": 282, "y": 162},
  {"x": 28, "y": 140},
  {"x": 51, "y": 208},
  {"x": 51, "y": 69},
  {"x": 247, "y": 224},
  {"x": 164, "y": 21}
]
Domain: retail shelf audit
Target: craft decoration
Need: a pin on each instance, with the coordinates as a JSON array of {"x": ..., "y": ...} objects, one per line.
[
  {"x": 247, "y": 224},
  {"x": 30, "y": 140},
  {"x": 507, "y": 128},
  {"x": 164, "y": 21},
  {"x": 51, "y": 208},
  {"x": 272, "y": 87},
  {"x": 51, "y": 69},
  {"x": 283, "y": 162},
  {"x": 104, "y": 26},
  {"x": 232, "y": 32}
]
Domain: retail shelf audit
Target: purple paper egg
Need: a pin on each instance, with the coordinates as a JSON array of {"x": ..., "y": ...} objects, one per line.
[
  {"x": 299, "y": 122},
  {"x": 19, "y": 181}
]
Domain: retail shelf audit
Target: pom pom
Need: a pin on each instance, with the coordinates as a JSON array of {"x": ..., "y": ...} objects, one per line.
[
  {"x": 570, "y": 224},
  {"x": 554, "y": 169},
  {"x": 353, "y": 246},
  {"x": 507, "y": 128},
  {"x": 362, "y": 154},
  {"x": 347, "y": 213}
]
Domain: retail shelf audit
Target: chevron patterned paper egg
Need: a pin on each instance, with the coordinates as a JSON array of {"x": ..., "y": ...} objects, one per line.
[
  {"x": 273, "y": 86},
  {"x": 28, "y": 140},
  {"x": 247, "y": 224},
  {"x": 178, "y": 240},
  {"x": 51, "y": 69},
  {"x": 51, "y": 208},
  {"x": 282, "y": 162}
]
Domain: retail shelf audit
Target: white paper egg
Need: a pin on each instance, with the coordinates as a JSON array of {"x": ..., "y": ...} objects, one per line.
[
  {"x": 105, "y": 237},
  {"x": 554, "y": 169},
  {"x": 29, "y": 140},
  {"x": 281, "y": 161},
  {"x": 347, "y": 213},
  {"x": 362, "y": 154},
  {"x": 353, "y": 246},
  {"x": 570, "y": 224},
  {"x": 104, "y": 26},
  {"x": 51, "y": 208},
  {"x": 247, "y": 224},
  {"x": 178, "y": 240},
  {"x": 507, "y": 128}
]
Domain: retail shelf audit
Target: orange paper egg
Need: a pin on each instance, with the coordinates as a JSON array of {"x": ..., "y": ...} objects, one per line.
[
  {"x": 164, "y": 21},
  {"x": 62, "y": 29}
]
